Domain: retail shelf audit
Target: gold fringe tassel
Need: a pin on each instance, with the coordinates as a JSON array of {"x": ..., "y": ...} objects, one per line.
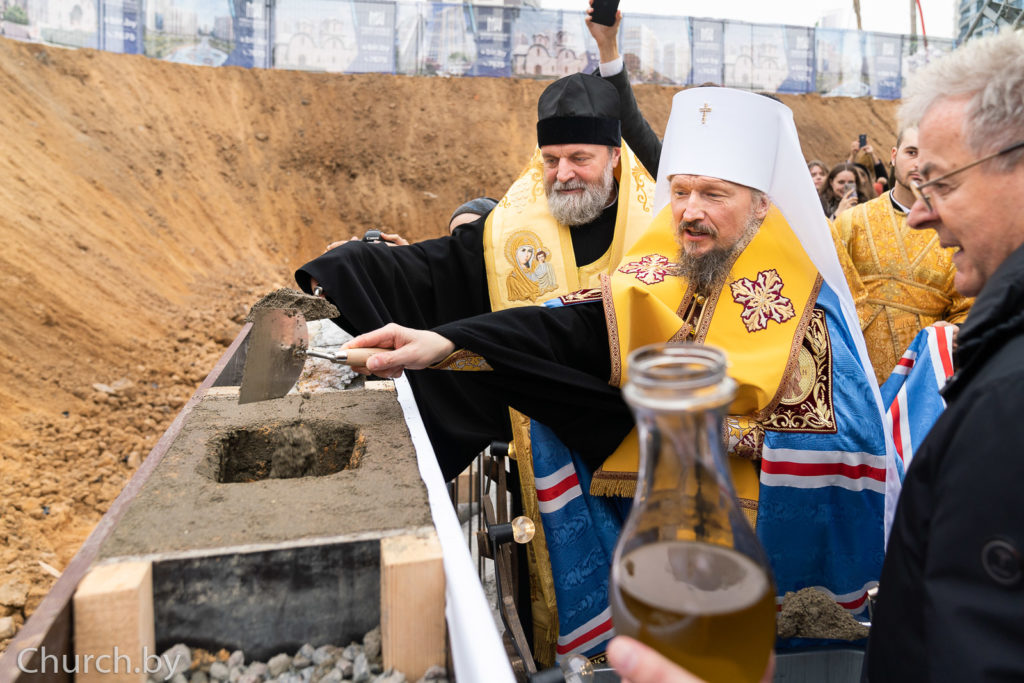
[{"x": 622, "y": 486}]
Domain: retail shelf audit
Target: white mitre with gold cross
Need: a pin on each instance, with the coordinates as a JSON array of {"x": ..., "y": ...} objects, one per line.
[{"x": 751, "y": 140}]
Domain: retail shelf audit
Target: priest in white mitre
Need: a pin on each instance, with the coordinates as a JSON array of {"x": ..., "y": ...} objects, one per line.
[{"x": 739, "y": 256}]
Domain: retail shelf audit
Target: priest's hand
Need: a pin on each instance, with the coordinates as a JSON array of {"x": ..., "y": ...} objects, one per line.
[{"x": 413, "y": 349}]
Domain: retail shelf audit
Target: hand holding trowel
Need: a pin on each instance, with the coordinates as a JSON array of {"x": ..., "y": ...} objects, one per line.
[{"x": 278, "y": 348}]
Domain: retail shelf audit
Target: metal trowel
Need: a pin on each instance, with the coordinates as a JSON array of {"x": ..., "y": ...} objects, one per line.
[{"x": 277, "y": 352}]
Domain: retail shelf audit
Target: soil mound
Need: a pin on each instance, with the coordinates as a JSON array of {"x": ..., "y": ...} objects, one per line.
[{"x": 149, "y": 205}]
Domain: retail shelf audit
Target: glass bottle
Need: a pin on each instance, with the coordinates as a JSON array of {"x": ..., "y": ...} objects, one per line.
[{"x": 689, "y": 577}]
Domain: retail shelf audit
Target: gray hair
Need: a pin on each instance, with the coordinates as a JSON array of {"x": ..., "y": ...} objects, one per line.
[{"x": 989, "y": 72}]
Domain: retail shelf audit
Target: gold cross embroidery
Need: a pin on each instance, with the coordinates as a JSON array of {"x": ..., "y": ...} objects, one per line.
[{"x": 704, "y": 111}]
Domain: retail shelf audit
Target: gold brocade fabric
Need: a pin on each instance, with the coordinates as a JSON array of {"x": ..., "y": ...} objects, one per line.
[
  {"x": 529, "y": 256},
  {"x": 760, "y": 318},
  {"x": 529, "y": 259},
  {"x": 901, "y": 279}
]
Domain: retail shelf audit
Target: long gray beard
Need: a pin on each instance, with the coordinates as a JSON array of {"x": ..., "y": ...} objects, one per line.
[
  {"x": 708, "y": 270},
  {"x": 582, "y": 209}
]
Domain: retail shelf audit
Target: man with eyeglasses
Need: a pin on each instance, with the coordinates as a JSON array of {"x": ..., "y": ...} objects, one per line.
[
  {"x": 907, "y": 276},
  {"x": 951, "y": 595}
]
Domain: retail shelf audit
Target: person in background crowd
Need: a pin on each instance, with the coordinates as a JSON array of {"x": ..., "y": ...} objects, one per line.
[
  {"x": 819, "y": 172},
  {"x": 472, "y": 210},
  {"x": 881, "y": 185},
  {"x": 843, "y": 189},
  {"x": 907, "y": 275},
  {"x": 465, "y": 213},
  {"x": 866, "y": 157},
  {"x": 864, "y": 181},
  {"x": 951, "y": 593}
]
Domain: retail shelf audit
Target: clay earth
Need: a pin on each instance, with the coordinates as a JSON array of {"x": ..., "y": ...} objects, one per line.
[{"x": 147, "y": 206}]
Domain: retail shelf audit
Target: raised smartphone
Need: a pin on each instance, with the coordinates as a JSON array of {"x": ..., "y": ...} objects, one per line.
[{"x": 604, "y": 12}]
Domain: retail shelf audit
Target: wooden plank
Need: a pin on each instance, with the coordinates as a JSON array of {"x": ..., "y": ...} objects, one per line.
[
  {"x": 113, "y": 614},
  {"x": 412, "y": 604},
  {"x": 230, "y": 392}
]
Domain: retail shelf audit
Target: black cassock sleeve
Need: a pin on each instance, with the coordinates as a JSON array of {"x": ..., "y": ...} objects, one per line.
[
  {"x": 421, "y": 285},
  {"x": 552, "y": 365}
]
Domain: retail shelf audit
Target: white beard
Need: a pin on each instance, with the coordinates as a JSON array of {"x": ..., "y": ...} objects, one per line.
[{"x": 584, "y": 208}]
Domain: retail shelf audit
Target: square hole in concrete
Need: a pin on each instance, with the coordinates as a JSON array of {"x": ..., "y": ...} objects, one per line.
[{"x": 285, "y": 451}]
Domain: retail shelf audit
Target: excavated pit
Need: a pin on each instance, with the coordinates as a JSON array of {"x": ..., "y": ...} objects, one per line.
[{"x": 286, "y": 451}]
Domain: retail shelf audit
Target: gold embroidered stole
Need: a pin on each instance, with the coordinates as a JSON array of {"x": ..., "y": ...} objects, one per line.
[
  {"x": 529, "y": 256},
  {"x": 759, "y": 318},
  {"x": 529, "y": 259}
]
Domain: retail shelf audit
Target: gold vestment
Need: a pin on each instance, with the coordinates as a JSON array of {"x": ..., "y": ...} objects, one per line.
[{"x": 901, "y": 279}]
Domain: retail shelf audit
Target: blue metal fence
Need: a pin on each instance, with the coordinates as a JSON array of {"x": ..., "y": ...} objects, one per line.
[{"x": 437, "y": 38}]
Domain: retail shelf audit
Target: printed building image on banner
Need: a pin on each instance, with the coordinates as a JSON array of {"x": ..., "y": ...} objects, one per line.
[
  {"x": 755, "y": 56},
  {"x": 886, "y": 64},
  {"x": 335, "y": 36},
  {"x": 448, "y": 44},
  {"x": 842, "y": 68},
  {"x": 198, "y": 32},
  {"x": 550, "y": 44},
  {"x": 72, "y": 23},
  {"x": 708, "y": 51},
  {"x": 493, "y": 35},
  {"x": 408, "y": 38},
  {"x": 655, "y": 49}
]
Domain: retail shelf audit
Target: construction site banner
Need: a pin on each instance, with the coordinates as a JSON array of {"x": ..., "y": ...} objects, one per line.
[
  {"x": 551, "y": 44},
  {"x": 840, "y": 63},
  {"x": 656, "y": 52},
  {"x": 886, "y": 65},
  {"x": 462, "y": 39},
  {"x": 799, "y": 51},
  {"x": 492, "y": 31},
  {"x": 251, "y": 28},
  {"x": 334, "y": 35},
  {"x": 120, "y": 26},
  {"x": 755, "y": 56},
  {"x": 708, "y": 52}
]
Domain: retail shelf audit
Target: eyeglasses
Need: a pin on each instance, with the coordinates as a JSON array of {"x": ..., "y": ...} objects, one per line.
[{"x": 918, "y": 188}]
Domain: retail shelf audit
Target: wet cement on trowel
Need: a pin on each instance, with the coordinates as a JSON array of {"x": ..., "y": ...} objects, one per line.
[
  {"x": 311, "y": 307},
  {"x": 362, "y": 433}
]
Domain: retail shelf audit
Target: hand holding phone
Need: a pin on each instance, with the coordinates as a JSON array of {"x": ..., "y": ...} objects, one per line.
[{"x": 604, "y": 12}]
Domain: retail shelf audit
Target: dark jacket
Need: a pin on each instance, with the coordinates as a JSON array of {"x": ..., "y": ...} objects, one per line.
[
  {"x": 951, "y": 595},
  {"x": 637, "y": 133}
]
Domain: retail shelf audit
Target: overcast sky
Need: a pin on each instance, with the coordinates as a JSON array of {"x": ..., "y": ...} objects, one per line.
[{"x": 890, "y": 16}]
